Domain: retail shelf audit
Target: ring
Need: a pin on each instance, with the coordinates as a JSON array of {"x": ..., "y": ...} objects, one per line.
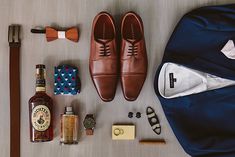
[{"x": 118, "y": 131}]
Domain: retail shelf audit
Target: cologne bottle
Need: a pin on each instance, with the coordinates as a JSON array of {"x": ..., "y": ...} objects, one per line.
[
  {"x": 40, "y": 110},
  {"x": 69, "y": 127}
]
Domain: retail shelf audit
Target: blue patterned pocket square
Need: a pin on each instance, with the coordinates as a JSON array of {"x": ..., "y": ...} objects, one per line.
[{"x": 67, "y": 81}]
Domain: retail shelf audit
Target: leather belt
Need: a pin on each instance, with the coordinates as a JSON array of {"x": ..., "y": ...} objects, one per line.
[{"x": 14, "y": 43}]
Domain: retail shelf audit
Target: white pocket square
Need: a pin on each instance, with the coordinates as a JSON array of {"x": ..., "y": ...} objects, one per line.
[{"x": 229, "y": 50}]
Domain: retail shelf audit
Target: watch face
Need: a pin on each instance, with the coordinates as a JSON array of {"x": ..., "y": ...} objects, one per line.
[{"x": 89, "y": 123}]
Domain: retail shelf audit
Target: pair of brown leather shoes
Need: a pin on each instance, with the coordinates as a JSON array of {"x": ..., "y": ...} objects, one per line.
[{"x": 106, "y": 63}]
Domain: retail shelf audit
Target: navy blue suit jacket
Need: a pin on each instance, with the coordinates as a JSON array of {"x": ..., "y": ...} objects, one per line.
[{"x": 204, "y": 123}]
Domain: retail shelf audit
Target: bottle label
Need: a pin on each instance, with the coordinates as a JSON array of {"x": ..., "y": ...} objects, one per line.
[
  {"x": 69, "y": 128},
  {"x": 41, "y": 118},
  {"x": 40, "y": 82},
  {"x": 40, "y": 89}
]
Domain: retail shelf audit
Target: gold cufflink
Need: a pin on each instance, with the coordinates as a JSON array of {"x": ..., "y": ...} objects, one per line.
[{"x": 118, "y": 131}]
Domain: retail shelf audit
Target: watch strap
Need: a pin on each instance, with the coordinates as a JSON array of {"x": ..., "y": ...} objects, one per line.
[
  {"x": 14, "y": 76},
  {"x": 89, "y": 131}
]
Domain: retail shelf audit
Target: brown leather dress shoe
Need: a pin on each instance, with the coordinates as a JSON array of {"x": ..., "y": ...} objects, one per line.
[
  {"x": 103, "y": 62},
  {"x": 133, "y": 55}
]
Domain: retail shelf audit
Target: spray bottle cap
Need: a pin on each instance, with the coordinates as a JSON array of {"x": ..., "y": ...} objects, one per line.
[{"x": 68, "y": 110}]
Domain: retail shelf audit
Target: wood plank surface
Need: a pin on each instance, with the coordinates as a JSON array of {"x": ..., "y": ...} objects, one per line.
[{"x": 159, "y": 17}]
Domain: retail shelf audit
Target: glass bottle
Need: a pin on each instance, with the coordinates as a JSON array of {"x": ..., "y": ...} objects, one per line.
[
  {"x": 69, "y": 127},
  {"x": 40, "y": 110}
]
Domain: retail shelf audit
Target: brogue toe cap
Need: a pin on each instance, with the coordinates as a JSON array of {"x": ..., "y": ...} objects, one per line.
[
  {"x": 106, "y": 87},
  {"x": 132, "y": 85}
]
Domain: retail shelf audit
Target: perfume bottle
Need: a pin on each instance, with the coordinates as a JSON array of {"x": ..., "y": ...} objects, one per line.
[
  {"x": 41, "y": 110},
  {"x": 69, "y": 127}
]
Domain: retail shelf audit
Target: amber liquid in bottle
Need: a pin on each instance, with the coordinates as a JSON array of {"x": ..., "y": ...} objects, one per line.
[
  {"x": 40, "y": 110},
  {"x": 69, "y": 127}
]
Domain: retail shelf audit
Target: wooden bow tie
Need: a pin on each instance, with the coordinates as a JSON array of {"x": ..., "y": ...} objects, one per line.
[{"x": 53, "y": 34}]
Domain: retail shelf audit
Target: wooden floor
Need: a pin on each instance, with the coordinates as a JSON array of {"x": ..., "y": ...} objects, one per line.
[{"x": 159, "y": 17}]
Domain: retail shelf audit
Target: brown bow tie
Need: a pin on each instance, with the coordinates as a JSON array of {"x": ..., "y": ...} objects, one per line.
[{"x": 53, "y": 34}]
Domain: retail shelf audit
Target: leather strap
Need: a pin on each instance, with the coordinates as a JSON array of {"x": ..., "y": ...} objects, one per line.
[
  {"x": 15, "y": 99},
  {"x": 89, "y": 131}
]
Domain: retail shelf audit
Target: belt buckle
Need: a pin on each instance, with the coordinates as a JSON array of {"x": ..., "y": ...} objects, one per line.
[{"x": 14, "y": 33}]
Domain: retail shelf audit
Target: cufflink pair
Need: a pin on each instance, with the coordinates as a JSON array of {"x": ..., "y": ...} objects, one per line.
[{"x": 138, "y": 115}]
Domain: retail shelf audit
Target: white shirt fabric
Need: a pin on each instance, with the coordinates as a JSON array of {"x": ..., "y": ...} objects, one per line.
[
  {"x": 229, "y": 50},
  {"x": 186, "y": 81}
]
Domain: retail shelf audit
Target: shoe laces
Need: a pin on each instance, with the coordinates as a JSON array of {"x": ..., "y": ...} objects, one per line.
[
  {"x": 105, "y": 50},
  {"x": 132, "y": 50}
]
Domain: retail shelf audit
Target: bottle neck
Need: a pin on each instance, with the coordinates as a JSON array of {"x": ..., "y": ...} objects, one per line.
[
  {"x": 40, "y": 89},
  {"x": 40, "y": 80},
  {"x": 40, "y": 85}
]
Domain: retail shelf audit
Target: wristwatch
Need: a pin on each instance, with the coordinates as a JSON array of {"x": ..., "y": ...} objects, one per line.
[{"x": 89, "y": 124}]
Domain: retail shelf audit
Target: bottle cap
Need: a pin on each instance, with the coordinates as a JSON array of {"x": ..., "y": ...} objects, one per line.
[
  {"x": 40, "y": 66},
  {"x": 68, "y": 110}
]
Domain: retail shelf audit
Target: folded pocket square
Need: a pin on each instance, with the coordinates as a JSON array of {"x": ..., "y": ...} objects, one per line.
[
  {"x": 229, "y": 50},
  {"x": 66, "y": 80}
]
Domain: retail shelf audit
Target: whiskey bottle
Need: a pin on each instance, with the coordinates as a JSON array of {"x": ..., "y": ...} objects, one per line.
[{"x": 40, "y": 110}]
